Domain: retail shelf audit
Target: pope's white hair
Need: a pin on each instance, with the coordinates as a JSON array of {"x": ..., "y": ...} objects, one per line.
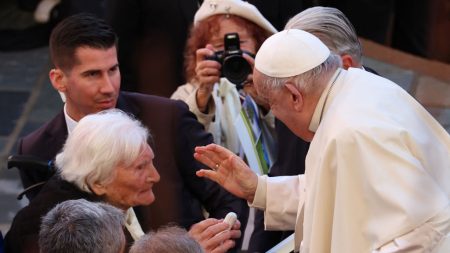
[
  {"x": 332, "y": 27},
  {"x": 98, "y": 144}
]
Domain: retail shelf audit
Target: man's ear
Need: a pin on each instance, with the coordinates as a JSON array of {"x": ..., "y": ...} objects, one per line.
[
  {"x": 347, "y": 61},
  {"x": 57, "y": 78},
  {"x": 296, "y": 96},
  {"x": 98, "y": 189}
]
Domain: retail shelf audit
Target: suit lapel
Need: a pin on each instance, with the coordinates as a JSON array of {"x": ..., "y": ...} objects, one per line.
[{"x": 57, "y": 135}]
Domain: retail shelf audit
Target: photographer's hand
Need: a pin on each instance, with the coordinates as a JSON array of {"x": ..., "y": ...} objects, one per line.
[{"x": 207, "y": 74}]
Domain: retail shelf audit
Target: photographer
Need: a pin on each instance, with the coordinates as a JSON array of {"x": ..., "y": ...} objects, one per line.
[{"x": 214, "y": 91}]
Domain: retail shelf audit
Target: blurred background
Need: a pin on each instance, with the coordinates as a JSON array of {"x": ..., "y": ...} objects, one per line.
[{"x": 405, "y": 41}]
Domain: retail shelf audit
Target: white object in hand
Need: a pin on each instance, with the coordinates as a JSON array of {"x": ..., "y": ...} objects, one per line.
[{"x": 230, "y": 219}]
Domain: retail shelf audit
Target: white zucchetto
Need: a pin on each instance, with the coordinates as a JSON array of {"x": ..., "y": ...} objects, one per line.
[{"x": 290, "y": 53}]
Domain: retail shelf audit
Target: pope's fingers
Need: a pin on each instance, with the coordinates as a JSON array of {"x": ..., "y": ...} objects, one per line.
[
  {"x": 212, "y": 175},
  {"x": 206, "y": 161},
  {"x": 221, "y": 152},
  {"x": 208, "y": 156}
]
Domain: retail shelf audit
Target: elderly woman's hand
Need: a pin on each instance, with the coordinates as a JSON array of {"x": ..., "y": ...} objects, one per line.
[
  {"x": 207, "y": 74},
  {"x": 214, "y": 235}
]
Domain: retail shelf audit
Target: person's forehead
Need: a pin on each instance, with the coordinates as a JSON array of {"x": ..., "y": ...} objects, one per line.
[
  {"x": 146, "y": 151},
  {"x": 227, "y": 26},
  {"x": 87, "y": 50},
  {"x": 89, "y": 57}
]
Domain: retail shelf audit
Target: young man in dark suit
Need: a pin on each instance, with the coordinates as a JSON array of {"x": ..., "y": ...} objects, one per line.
[{"x": 86, "y": 70}]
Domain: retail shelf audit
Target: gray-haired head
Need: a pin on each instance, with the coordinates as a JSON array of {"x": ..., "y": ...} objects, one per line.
[
  {"x": 332, "y": 27},
  {"x": 170, "y": 239},
  {"x": 98, "y": 144},
  {"x": 82, "y": 226}
]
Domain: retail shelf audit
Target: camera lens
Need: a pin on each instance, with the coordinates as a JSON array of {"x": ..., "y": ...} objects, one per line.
[{"x": 236, "y": 69}]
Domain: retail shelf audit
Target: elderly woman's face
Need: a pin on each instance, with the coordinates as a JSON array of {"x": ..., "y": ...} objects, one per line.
[
  {"x": 132, "y": 185},
  {"x": 248, "y": 43}
]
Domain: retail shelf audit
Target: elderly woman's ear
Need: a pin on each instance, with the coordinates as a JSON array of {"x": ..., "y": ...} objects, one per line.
[{"x": 98, "y": 189}]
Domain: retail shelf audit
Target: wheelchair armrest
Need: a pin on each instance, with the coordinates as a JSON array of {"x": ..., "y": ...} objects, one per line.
[{"x": 28, "y": 162}]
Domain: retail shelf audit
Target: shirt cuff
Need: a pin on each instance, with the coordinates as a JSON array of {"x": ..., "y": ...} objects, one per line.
[
  {"x": 259, "y": 200},
  {"x": 204, "y": 118}
]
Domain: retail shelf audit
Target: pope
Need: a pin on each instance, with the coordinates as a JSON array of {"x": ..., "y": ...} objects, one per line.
[{"x": 377, "y": 173}]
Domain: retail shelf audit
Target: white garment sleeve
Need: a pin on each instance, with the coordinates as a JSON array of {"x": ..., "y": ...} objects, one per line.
[
  {"x": 187, "y": 93},
  {"x": 204, "y": 118},
  {"x": 280, "y": 198},
  {"x": 433, "y": 236}
]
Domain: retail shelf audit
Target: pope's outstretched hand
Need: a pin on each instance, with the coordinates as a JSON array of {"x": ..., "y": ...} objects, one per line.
[{"x": 228, "y": 170}]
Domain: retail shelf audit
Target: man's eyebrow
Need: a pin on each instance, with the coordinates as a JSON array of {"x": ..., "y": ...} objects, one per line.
[{"x": 89, "y": 71}]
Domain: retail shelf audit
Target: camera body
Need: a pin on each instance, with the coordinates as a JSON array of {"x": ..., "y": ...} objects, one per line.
[{"x": 235, "y": 68}]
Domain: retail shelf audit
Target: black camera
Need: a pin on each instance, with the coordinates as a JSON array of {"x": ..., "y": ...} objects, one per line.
[{"x": 235, "y": 68}]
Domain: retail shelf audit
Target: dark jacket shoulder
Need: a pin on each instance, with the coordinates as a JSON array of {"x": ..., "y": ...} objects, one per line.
[{"x": 24, "y": 232}]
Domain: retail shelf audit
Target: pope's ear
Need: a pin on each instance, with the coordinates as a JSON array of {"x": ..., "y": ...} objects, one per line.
[
  {"x": 98, "y": 189},
  {"x": 295, "y": 95},
  {"x": 57, "y": 78},
  {"x": 347, "y": 61}
]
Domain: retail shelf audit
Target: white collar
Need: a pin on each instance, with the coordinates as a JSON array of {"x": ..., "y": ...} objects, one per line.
[
  {"x": 320, "y": 108},
  {"x": 132, "y": 224},
  {"x": 71, "y": 123}
]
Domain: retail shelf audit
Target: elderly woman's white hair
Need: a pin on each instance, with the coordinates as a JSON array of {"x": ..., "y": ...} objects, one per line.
[{"x": 98, "y": 144}]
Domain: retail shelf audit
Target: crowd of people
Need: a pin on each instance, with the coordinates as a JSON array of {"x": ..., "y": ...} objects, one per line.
[{"x": 349, "y": 162}]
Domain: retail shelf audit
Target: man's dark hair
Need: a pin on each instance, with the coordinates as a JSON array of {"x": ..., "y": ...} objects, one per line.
[{"x": 80, "y": 30}]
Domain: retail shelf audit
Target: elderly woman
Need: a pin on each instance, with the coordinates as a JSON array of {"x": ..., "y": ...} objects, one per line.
[
  {"x": 106, "y": 158},
  {"x": 214, "y": 99}
]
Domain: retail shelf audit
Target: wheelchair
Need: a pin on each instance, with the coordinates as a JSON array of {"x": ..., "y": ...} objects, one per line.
[{"x": 27, "y": 163}]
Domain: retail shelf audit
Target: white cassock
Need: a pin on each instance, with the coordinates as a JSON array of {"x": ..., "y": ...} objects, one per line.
[{"x": 377, "y": 174}]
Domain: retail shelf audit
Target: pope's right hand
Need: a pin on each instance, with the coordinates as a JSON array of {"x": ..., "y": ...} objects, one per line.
[{"x": 228, "y": 170}]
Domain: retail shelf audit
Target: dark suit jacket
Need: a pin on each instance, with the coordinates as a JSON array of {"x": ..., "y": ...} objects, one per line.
[
  {"x": 290, "y": 161},
  {"x": 180, "y": 194},
  {"x": 24, "y": 233}
]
